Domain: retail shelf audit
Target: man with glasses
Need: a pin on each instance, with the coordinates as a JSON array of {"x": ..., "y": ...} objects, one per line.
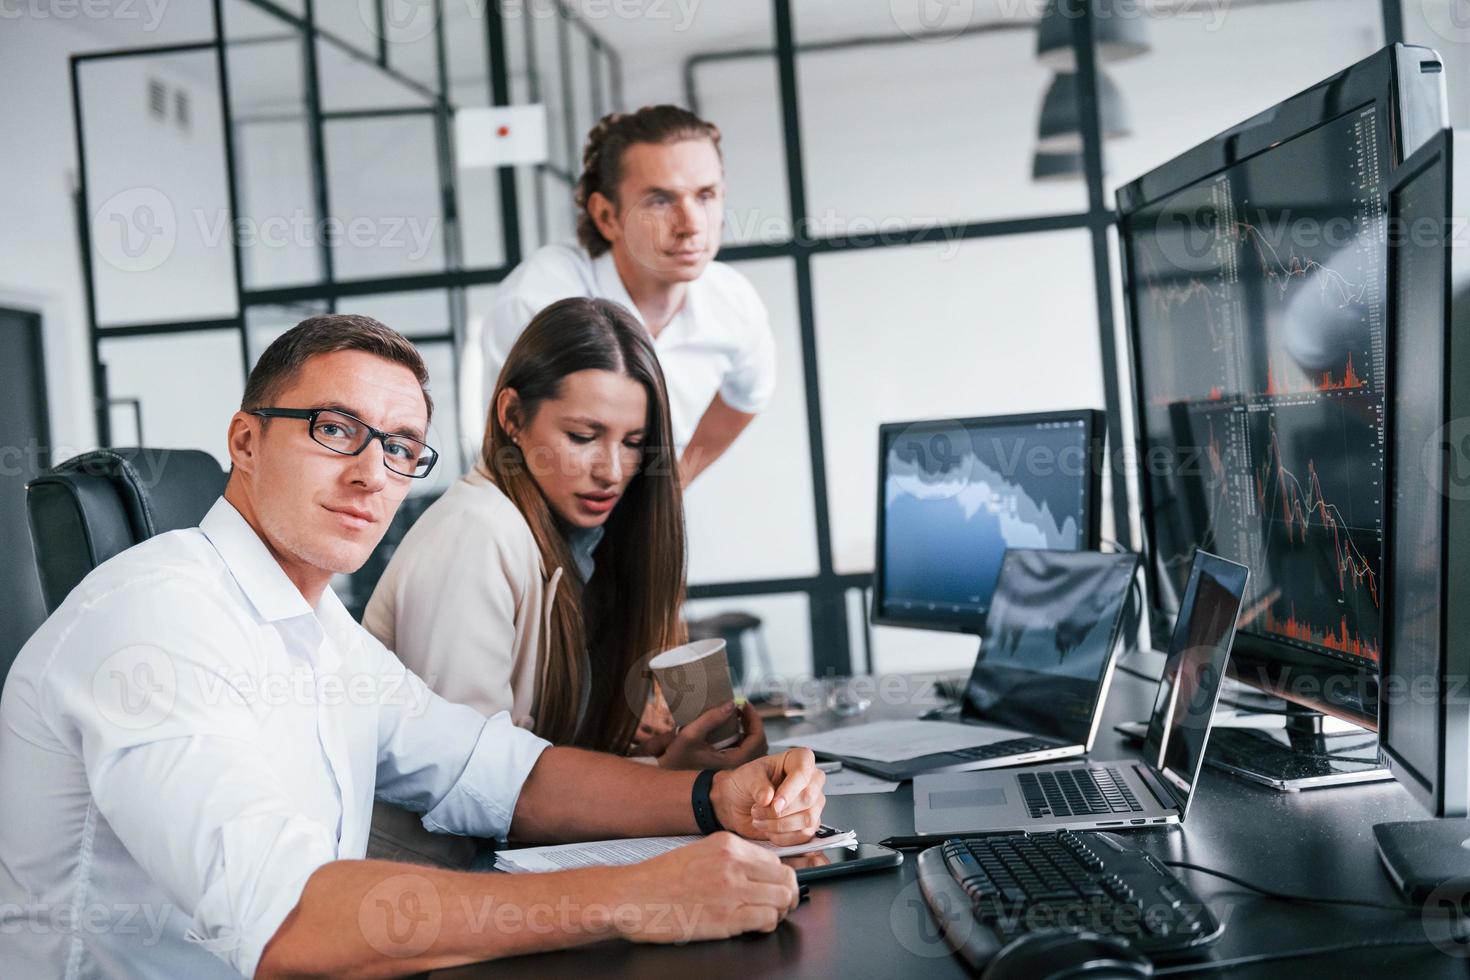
[
  {"x": 349, "y": 435},
  {"x": 191, "y": 744}
]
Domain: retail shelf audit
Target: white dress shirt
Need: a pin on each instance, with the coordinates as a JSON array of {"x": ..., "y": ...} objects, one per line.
[
  {"x": 184, "y": 741},
  {"x": 719, "y": 342}
]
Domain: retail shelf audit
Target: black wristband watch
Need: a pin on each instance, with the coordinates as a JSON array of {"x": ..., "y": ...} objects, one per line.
[{"x": 704, "y": 808}]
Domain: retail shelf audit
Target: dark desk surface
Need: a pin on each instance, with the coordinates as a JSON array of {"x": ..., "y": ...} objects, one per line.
[{"x": 1318, "y": 842}]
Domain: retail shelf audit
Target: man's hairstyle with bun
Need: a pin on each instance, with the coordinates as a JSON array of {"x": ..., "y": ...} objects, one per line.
[{"x": 602, "y": 157}]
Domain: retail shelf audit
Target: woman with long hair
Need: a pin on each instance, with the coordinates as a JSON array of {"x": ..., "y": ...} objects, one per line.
[{"x": 543, "y": 580}]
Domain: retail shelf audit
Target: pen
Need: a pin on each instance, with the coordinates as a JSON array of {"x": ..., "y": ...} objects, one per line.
[{"x": 899, "y": 842}]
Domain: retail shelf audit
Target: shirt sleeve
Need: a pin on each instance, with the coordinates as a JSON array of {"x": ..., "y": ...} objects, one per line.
[
  {"x": 173, "y": 760},
  {"x": 461, "y": 770},
  {"x": 751, "y": 380},
  {"x": 509, "y": 317},
  {"x": 546, "y": 276}
]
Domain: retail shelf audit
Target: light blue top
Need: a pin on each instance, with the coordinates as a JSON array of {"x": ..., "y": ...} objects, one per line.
[{"x": 583, "y": 542}]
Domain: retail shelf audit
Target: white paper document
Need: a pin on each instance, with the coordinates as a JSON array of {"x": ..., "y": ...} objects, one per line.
[
  {"x": 850, "y": 782},
  {"x": 895, "y": 741},
  {"x": 559, "y": 857}
]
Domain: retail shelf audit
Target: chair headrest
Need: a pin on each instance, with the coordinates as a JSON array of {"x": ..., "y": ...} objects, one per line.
[
  {"x": 94, "y": 506},
  {"x": 161, "y": 489}
]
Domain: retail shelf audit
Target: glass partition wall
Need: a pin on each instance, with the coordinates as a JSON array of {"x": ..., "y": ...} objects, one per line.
[
  {"x": 302, "y": 161},
  {"x": 907, "y": 183}
]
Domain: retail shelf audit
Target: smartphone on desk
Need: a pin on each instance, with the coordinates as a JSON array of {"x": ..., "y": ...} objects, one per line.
[{"x": 835, "y": 861}]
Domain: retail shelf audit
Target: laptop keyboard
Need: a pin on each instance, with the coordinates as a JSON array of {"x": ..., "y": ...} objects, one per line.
[
  {"x": 1076, "y": 792},
  {"x": 997, "y": 750}
]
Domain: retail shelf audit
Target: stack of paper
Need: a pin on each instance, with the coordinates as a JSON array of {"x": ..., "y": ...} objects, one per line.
[
  {"x": 559, "y": 857},
  {"x": 895, "y": 741}
]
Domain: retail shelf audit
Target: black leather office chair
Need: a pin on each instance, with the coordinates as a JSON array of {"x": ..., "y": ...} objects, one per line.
[{"x": 89, "y": 508}]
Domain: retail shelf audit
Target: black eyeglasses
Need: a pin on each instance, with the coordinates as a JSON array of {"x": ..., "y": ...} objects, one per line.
[{"x": 349, "y": 435}]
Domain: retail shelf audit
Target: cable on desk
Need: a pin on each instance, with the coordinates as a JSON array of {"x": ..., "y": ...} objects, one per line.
[
  {"x": 1137, "y": 673},
  {"x": 1291, "y": 954},
  {"x": 1288, "y": 897},
  {"x": 1339, "y": 757}
]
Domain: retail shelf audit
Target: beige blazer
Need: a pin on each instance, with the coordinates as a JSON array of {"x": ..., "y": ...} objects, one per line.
[{"x": 464, "y": 602}]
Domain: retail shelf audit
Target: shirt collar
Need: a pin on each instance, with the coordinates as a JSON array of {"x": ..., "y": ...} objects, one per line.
[
  {"x": 610, "y": 286},
  {"x": 254, "y": 568},
  {"x": 583, "y": 542}
]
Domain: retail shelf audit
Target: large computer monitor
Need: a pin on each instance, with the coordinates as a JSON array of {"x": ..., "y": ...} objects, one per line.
[
  {"x": 1256, "y": 278},
  {"x": 1424, "y": 697},
  {"x": 954, "y": 494}
]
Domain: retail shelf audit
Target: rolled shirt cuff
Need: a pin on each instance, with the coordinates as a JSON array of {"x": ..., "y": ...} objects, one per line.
[
  {"x": 259, "y": 875},
  {"x": 482, "y": 801}
]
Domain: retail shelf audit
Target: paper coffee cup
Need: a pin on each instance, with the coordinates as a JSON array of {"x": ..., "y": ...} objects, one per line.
[{"x": 694, "y": 678}]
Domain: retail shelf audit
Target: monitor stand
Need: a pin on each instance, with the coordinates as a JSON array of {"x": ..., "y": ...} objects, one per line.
[{"x": 1300, "y": 756}]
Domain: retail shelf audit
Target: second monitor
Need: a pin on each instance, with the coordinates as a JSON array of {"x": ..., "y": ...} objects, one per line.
[{"x": 955, "y": 494}]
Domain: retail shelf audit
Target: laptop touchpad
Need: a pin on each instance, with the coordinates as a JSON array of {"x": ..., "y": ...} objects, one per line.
[{"x": 968, "y": 798}]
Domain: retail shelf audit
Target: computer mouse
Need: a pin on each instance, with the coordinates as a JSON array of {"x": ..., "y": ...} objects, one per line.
[{"x": 1056, "y": 954}]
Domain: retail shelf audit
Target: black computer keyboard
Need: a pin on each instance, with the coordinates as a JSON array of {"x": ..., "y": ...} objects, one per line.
[
  {"x": 996, "y": 750},
  {"x": 986, "y": 891},
  {"x": 1076, "y": 792}
]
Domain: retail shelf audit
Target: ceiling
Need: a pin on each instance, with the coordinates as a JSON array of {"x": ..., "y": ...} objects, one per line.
[{"x": 652, "y": 36}]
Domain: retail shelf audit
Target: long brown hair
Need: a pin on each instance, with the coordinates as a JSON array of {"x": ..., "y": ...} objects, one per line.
[
  {"x": 602, "y": 157},
  {"x": 630, "y": 609}
]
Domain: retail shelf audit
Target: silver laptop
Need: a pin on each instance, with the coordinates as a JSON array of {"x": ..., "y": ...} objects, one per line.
[
  {"x": 1037, "y": 689},
  {"x": 1115, "y": 795}
]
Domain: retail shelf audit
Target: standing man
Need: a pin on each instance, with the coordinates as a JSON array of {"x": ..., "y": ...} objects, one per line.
[{"x": 651, "y": 204}]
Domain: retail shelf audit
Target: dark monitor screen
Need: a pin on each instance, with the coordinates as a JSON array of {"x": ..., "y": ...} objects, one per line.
[
  {"x": 1423, "y": 696},
  {"x": 1049, "y": 642},
  {"x": 954, "y": 495},
  {"x": 1257, "y": 301},
  {"x": 1194, "y": 671}
]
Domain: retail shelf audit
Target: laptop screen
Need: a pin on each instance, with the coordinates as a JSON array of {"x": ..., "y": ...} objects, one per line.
[
  {"x": 1179, "y": 729},
  {"x": 1048, "y": 642}
]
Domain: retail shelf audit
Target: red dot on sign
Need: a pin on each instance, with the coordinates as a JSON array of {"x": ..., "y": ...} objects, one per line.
[{"x": 503, "y": 131}]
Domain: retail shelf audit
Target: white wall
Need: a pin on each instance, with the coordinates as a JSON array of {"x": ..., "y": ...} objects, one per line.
[
  {"x": 157, "y": 197},
  {"x": 158, "y": 207},
  {"x": 39, "y": 253},
  {"x": 752, "y": 515},
  {"x": 1445, "y": 26},
  {"x": 40, "y": 258},
  {"x": 1206, "y": 74}
]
